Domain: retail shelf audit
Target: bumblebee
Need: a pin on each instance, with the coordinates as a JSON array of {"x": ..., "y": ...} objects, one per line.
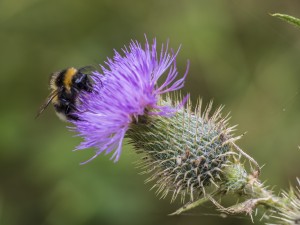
[{"x": 65, "y": 87}]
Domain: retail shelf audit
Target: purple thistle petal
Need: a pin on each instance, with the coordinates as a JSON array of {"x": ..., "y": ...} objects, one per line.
[{"x": 125, "y": 88}]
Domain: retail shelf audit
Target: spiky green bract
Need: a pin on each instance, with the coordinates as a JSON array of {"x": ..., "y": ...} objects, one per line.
[
  {"x": 184, "y": 153},
  {"x": 287, "y": 18}
]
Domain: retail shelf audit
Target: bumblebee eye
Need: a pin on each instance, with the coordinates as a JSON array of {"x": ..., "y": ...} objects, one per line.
[{"x": 79, "y": 85}]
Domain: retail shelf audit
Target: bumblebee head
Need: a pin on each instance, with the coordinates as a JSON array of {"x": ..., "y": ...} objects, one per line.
[{"x": 82, "y": 82}]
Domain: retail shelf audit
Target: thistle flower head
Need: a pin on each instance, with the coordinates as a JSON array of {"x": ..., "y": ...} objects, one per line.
[
  {"x": 185, "y": 151},
  {"x": 125, "y": 90}
]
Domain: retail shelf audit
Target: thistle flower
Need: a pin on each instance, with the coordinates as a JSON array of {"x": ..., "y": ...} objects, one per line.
[
  {"x": 186, "y": 152},
  {"x": 125, "y": 90}
]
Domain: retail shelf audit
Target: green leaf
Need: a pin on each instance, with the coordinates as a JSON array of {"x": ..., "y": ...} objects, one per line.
[{"x": 290, "y": 19}]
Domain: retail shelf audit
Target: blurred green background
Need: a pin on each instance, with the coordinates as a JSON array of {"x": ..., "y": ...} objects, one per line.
[{"x": 240, "y": 57}]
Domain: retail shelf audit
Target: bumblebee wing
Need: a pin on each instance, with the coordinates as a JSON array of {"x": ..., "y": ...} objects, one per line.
[
  {"x": 46, "y": 103},
  {"x": 86, "y": 69}
]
